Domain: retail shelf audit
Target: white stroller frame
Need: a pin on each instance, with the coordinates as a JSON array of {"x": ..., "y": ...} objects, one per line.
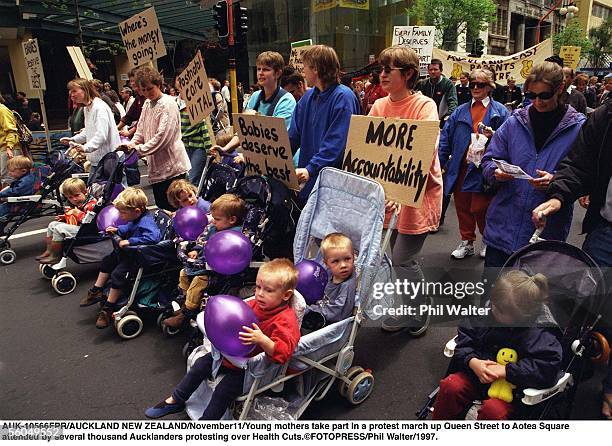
[{"x": 338, "y": 200}]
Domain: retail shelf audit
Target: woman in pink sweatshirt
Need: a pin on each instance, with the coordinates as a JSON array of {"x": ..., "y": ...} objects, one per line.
[{"x": 399, "y": 71}]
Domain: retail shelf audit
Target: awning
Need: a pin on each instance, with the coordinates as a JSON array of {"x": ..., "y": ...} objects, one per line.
[{"x": 178, "y": 19}]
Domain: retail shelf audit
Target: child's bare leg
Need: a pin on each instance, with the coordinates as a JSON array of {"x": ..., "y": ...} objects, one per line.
[
  {"x": 113, "y": 295},
  {"x": 101, "y": 280}
]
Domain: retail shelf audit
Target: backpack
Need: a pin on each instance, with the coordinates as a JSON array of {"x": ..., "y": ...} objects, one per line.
[{"x": 23, "y": 132}]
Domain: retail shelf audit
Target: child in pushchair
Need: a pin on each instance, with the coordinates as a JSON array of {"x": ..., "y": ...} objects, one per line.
[
  {"x": 227, "y": 212},
  {"x": 553, "y": 343},
  {"x": 37, "y": 196},
  {"x": 276, "y": 335}
]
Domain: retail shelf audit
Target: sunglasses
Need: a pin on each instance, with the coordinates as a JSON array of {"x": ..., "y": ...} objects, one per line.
[
  {"x": 387, "y": 69},
  {"x": 478, "y": 85},
  {"x": 545, "y": 95}
]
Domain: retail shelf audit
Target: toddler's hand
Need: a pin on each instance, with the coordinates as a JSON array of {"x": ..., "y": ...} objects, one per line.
[
  {"x": 111, "y": 230},
  {"x": 192, "y": 254},
  {"x": 481, "y": 368},
  {"x": 252, "y": 335},
  {"x": 123, "y": 243}
]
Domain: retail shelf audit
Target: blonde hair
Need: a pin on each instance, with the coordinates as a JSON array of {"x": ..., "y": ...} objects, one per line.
[
  {"x": 484, "y": 73},
  {"x": 131, "y": 198},
  {"x": 283, "y": 270},
  {"x": 73, "y": 186},
  {"x": 86, "y": 86},
  {"x": 402, "y": 57},
  {"x": 324, "y": 59},
  {"x": 176, "y": 187},
  {"x": 19, "y": 162},
  {"x": 548, "y": 73},
  {"x": 335, "y": 240},
  {"x": 230, "y": 205},
  {"x": 520, "y": 295},
  {"x": 271, "y": 59}
]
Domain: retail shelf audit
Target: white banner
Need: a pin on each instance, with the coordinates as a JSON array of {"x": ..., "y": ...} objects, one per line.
[{"x": 419, "y": 38}]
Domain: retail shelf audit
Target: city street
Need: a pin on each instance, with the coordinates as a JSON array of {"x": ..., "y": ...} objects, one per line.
[{"x": 55, "y": 364}]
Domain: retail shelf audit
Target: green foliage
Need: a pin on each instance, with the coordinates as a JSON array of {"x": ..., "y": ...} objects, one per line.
[
  {"x": 572, "y": 35},
  {"x": 601, "y": 40},
  {"x": 453, "y": 17}
]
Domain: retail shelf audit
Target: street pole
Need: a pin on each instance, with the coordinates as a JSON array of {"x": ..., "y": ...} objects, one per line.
[
  {"x": 544, "y": 18},
  {"x": 78, "y": 24},
  {"x": 232, "y": 57}
]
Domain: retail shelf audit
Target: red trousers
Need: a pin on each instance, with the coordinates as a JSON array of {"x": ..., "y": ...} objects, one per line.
[
  {"x": 458, "y": 391},
  {"x": 471, "y": 208}
]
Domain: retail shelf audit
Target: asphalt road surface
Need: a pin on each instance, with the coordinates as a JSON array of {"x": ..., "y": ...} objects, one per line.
[{"x": 55, "y": 364}]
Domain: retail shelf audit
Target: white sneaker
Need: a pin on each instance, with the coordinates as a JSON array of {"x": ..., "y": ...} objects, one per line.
[
  {"x": 483, "y": 251},
  {"x": 464, "y": 250}
]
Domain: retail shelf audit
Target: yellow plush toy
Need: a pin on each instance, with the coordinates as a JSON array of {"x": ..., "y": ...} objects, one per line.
[{"x": 500, "y": 388}]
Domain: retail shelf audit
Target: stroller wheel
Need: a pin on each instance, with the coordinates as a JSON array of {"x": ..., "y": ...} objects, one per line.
[
  {"x": 187, "y": 349},
  {"x": 360, "y": 388},
  {"x": 419, "y": 330},
  {"x": 600, "y": 348},
  {"x": 46, "y": 271},
  {"x": 7, "y": 256},
  {"x": 160, "y": 319},
  {"x": 64, "y": 283},
  {"x": 169, "y": 331},
  {"x": 129, "y": 326},
  {"x": 350, "y": 374}
]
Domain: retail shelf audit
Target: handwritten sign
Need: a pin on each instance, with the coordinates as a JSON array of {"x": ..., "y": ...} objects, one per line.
[
  {"x": 419, "y": 38},
  {"x": 264, "y": 142},
  {"x": 79, "y": 62},
  {"x": 142, "y": 37},
  {"x": 195, "y": 90},
  {"x": 570, "y": 56},
  {"x": 34, "y": 67},
  {"x": 517, "y": 65},
  {"x": 395, "y": 152},
  {"x": 295, "y": 59}
]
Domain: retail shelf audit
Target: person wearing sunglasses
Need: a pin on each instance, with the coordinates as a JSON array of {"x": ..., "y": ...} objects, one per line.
[
  {"x": 440, "y": 89},
  {"x": 463, "y": 175},
  {"x": 399, "y": 70},
  {"x": 535, "y": 138}
]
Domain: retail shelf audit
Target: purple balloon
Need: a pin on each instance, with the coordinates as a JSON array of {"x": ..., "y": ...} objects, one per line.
[
  {"x": 189, "y": 222},
  {"x": 228, "y": 252},
  {"x": 312, "y": 280},
  {"x": 109, "y": 216},
  {"x": 117, "y": 189},
  {"x": 223, "y": 320}
]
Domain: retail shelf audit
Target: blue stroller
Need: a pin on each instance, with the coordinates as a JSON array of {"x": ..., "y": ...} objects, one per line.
[
  {"x": 88, "y": 246},
  {"x": 46, "y": 202},
  {"x": 340, "y": 202}
]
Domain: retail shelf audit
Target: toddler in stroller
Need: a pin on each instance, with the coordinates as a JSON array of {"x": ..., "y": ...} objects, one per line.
[
  {"x": 182, "y": 193},
  {"x": 19, "y": 169},
  {"x": 227, "y": 212},
  {"x": 67, "y": 225},
  {"x": 277, "y": 335},
  {"x": 141, "y": 229}
]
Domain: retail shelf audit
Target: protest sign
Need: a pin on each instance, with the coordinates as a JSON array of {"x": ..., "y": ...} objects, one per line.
[
  {"x": 397, "y": 153},
  {"x": 570, "y": 56},
  {"x": 79, "y": 62},
  {"x": 264, "y": 142},
  {"x": 517, "y": 65},
  {"x": 419, "y": 38},
  {"x": 142, "y": 37},
  {"x": 195, "y": 90},
  {"x": 34, "y": 67},
  {"x": 295, "y": 59}
]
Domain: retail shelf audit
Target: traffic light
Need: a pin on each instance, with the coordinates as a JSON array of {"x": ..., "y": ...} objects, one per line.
[
  {"x": 478, "y": 47},
  {"x": 220, "y": 16},
  {"x": 241, "y": 22}
]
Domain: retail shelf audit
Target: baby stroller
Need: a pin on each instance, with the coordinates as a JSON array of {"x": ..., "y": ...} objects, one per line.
[
  {"x": 88, "y": 246},
  {"x": 46, "y": 202},
  {"x": 340, "y": 202},
  {"x": 155, "y": 281},
  {"x": 576, "y": 295},
  {"x": 217, "y": 179}
]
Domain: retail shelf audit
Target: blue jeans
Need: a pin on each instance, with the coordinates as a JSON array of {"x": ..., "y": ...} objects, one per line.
[
  {"x": 224, "y": 394},
  {"x": 598, "y": 244},
  {"x": 5, "y": 209},
  {"x": 197, "y": 157}
]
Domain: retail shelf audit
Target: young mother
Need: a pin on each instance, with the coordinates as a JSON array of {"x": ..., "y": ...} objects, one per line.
[{"x": 399, "y": 70}]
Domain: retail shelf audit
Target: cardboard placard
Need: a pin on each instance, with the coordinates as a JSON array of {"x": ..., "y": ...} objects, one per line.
[
  {"x": 142, "y": 38},
  {"x": 295, "y": 59},
  {"x": 264, "y": 142},
  {"x": 195, "y": 90},
  {"x": 570, "y": 56},
  {"x": 517, "y": 65},
  {"x": 397, "y": 153},
  {"x": 419, "y": 38},
  {"x": 34, "y": 67},
  {"x": 79, "y": 62}
]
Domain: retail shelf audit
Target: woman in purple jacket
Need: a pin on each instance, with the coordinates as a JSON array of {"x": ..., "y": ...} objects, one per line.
[{"x": 536, "y": 139}]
